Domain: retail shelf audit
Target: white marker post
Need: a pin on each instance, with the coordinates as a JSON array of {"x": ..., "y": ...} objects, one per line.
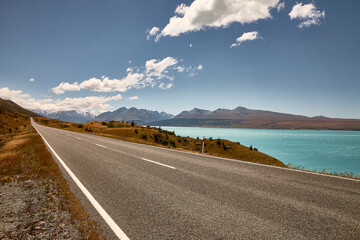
[{"x": 203, "y": 144}]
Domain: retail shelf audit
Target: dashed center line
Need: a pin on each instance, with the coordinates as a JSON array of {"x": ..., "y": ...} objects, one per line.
[
  {"x": 77, "y": 138},
  {"x": 100, "y": 145},
  {"x": 158, "y": 163}
]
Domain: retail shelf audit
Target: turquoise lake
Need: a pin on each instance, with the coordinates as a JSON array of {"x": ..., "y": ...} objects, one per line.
[{"x": 334, "y": 151}]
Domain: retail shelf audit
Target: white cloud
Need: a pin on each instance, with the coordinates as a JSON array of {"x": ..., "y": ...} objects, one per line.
[
  {"x": 280, "y": 6},
  {"x": 180, "y": 68},
  {"x": 190, "y": 45},
  {"x": 164, "y": 86},
  {"x": 6, "y": 93},
  {"x": 31, "y": 79},
  {"x": 134, "y": 98},
  {"x": 193, "y": 71},
  {"x": 181, "y": 9},
  {"x": 201, "y": 14},
  {"x": 83, "y": 104},
  {"x": 248, "y": 36},
  {"x": 152, "y": 32},
  {"x": 66, "y": 87},
  {"x": 307, "y": 13},
  {"x": 132, "y": 80},
  {"x": 155, "y": 72},
  {"x": 159, "y": 69}
]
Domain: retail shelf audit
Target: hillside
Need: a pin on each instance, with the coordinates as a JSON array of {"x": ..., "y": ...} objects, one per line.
[
  {"x": 241, "y": 117},
  {"x": 14, "y": 118},
  {"x": 139, "y": 116}
]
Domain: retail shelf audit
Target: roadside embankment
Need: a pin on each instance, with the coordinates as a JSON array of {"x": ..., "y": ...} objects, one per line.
[{"x": 35, "y": 199}]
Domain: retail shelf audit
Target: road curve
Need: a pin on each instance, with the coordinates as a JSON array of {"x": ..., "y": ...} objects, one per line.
[{"x": 156, "y": 193}]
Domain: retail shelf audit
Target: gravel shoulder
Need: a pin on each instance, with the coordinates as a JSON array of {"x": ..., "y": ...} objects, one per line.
[{"x": 35, "y": 200}]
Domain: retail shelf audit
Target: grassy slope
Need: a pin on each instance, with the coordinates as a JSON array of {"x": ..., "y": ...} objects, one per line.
[
  {"x": 24, "y": 156},
  {"x": 162, "y": 138}
]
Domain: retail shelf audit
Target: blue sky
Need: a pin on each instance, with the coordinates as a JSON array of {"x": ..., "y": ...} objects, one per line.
[{"x": 103, "y": 54}]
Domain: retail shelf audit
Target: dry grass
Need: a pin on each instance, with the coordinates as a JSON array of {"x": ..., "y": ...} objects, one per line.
[
  {"x": 166, "y": 139},
  {"x": 26, "y": 157}
]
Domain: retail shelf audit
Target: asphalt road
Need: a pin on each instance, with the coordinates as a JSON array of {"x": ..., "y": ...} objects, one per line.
[{"x": 199, "y": 197}]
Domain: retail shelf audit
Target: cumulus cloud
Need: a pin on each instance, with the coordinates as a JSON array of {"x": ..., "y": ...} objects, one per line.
[
  {"x": 248, "y": 36},
  {"x": 155, "y": 72},
  {"x": 134, "y": 98},
  {"x": 159, "y": 69},
  {"x": 200, "y": 67},
  {"x": 31, "y": 79},
  {"x": 66, "y": 87},
  {"x": 307, "y": 14},
  {"x": 201, "y": 14},
  {"x": 83, "y": 104},
  {"x": 190, "y": 45}
]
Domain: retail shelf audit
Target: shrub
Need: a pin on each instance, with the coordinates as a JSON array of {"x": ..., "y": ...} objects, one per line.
[
  {"x": 144, "y": 136},
  {"x": 218, "y": 141},
  {"x": 103, "y": 123},
  {"x": 157, "y": 137},
  {"x": 110, "y": 124},
  {"x": 251, "y": 147},
  {"x": 80, "y": 125},
  {"x": 132, "y": 123},
  {"x": 172, "y": 142},
  {"x": 136, "y": 131},
  {"x": 87, "y": 129}
]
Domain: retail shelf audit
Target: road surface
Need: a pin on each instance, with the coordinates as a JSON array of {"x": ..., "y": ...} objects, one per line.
[{"x": 156, "y": 193}]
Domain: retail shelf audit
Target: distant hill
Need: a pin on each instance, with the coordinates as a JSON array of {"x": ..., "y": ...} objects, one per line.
[
  {"x": 139, "y": 116},
  {"x": 69, "y": 116},
  {"x": 241, "y": 117},
  {"x": 13, "y": 118}
]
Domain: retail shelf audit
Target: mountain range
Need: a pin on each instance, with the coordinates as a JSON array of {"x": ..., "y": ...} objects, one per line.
[
  {"x": 69, "y": 116},
  {"x": 140, "y": 116},
  {"x": 241, "y": 117}
]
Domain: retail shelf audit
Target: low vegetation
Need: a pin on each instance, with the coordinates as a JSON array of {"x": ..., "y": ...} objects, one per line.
[
  {"x": 29, "y": 175},
  {"x": 159, "y": 137},
  {"x": 345, "y": 174},
  {"x": 24, "y": 157}
]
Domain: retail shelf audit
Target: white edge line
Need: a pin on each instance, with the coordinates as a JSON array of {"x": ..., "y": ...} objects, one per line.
[
  {"x": 77, "y": 138},
  {"x": 158, "y": 163},
  {"x": 226, "y": 159},
  {"x": 116, "y": 229},
  {"x": 100, "y": 145}
]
